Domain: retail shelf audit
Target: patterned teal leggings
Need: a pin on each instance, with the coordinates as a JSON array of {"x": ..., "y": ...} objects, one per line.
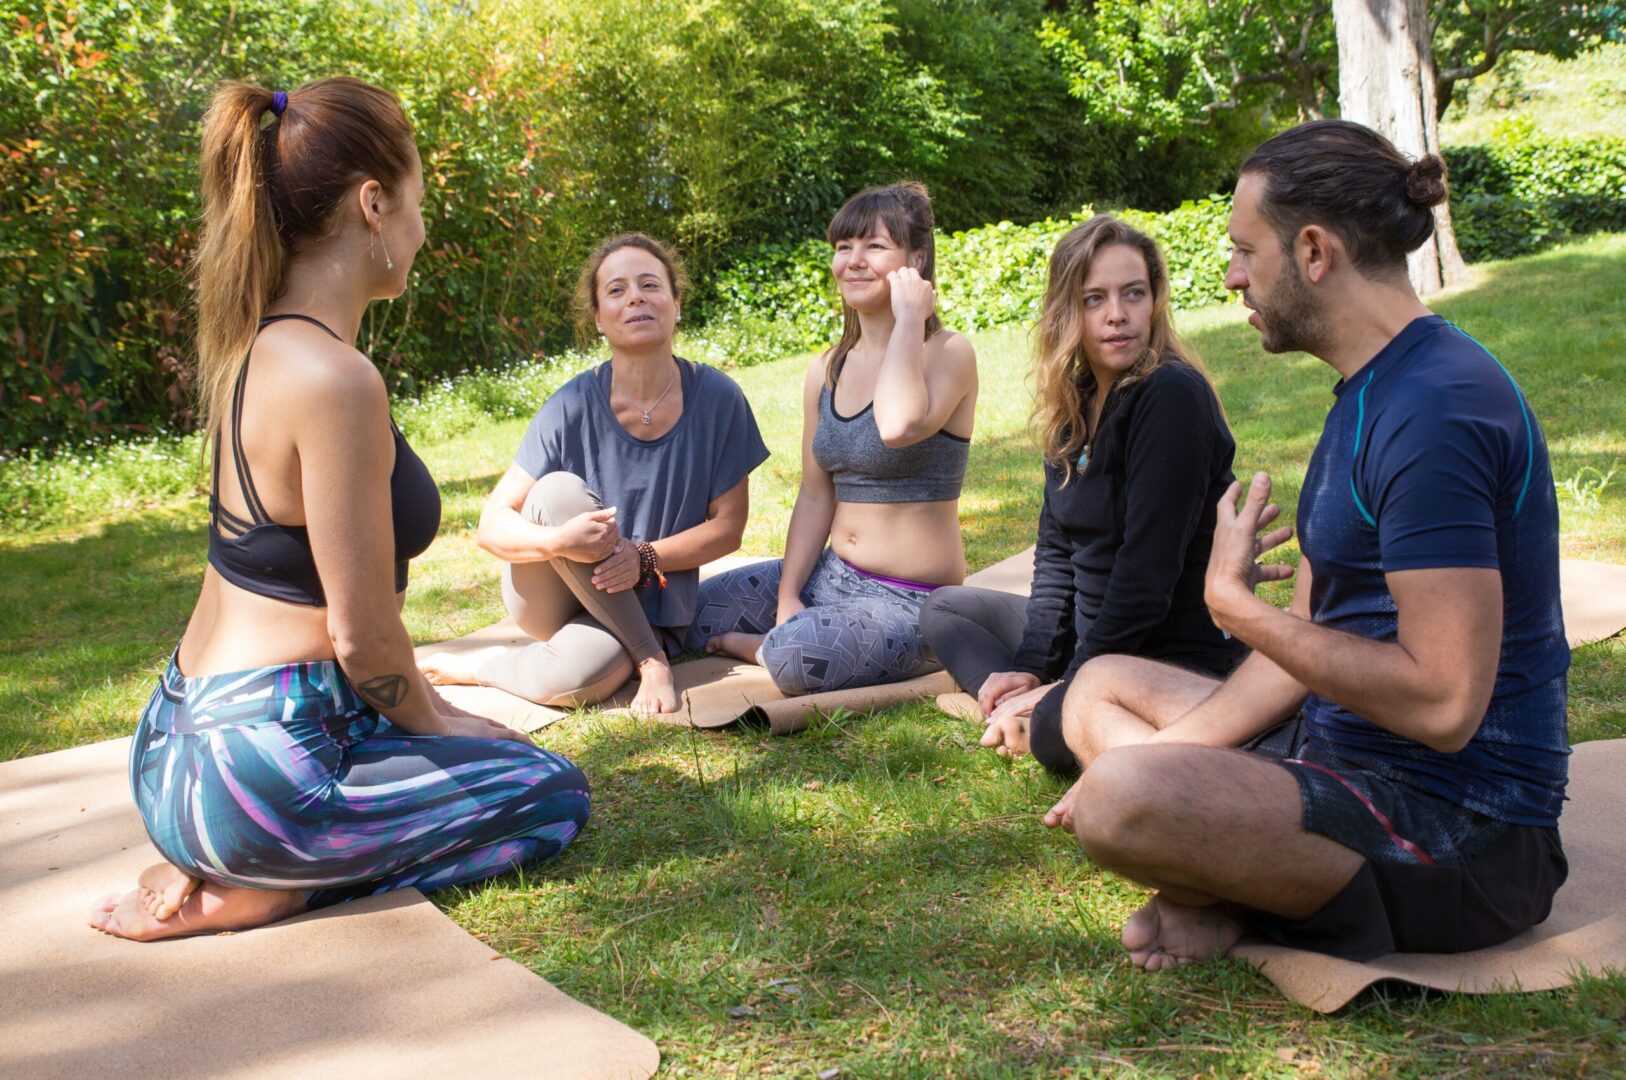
[{"x": 283, "y": 778}]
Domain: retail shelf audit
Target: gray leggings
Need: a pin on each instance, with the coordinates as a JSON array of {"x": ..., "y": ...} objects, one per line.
[
  {"x": 853, "y": 632},
  {"x": 587, "y": 641},
  {"x": 974, "y": 631}
]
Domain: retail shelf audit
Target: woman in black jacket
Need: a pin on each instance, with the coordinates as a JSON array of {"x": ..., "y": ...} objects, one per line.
[{"x": 1137, "y": 455}]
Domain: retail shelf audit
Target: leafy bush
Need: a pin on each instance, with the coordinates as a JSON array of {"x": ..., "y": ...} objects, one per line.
[
  {"x": 545, "y": 126},
  {"x": 1523, "y": 190}
]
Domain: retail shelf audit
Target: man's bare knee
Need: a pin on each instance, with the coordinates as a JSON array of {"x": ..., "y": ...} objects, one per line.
[
  {"x": 557, "y": 497},
  {"x": 1088, "y": 707},
  {"x": 1105, "y": 677},
  {"x": 1116, "y": 805}
]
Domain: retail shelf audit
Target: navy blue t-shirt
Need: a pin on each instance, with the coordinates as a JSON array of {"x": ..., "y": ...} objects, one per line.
[{"x": 1432, "y": 458}]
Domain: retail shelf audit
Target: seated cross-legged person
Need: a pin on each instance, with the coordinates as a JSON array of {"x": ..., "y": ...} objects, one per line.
[
  {"x": 1136, "y": 456},
  {"x": 630, "y": 477},
  {"x": 887, "y": 419},
  {"x": 1412, "y": 800},
  {"x": 291, "y": 757}
]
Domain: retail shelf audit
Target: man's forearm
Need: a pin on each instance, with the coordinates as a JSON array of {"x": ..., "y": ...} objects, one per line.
[
  {"x": 1377, "y": 680},
  {"x": 1258, "y": 694}
]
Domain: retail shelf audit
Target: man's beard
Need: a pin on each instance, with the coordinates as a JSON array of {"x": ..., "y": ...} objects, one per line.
[{"x": 1291, "y": 320}]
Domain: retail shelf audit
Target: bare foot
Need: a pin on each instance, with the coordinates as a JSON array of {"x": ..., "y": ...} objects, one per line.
[
  {"x": 739, "y": 646},
  {"x": 164, "y": 888},
  {"x": 208, "y": 910},
  {"x": 1164, "y": 934},
  {"x": 656, "y": 692},
  {"x": 458, "y": 668},
  {"x": 1060, "y": 816}
]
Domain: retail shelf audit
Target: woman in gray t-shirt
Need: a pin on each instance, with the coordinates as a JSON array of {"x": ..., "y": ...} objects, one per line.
[{"x": 630, "y": 477}]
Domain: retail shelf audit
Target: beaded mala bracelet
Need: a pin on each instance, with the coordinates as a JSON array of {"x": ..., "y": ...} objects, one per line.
[{"x": 649, "y": 567}]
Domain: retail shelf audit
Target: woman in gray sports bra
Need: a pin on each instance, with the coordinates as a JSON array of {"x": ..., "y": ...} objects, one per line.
[{"x": 886, "y": 435}]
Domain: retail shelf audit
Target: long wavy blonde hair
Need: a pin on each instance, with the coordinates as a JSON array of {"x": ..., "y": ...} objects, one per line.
[{"x": 1066, "y": 386}]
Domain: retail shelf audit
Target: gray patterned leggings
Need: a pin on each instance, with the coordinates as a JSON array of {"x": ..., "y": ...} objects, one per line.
[{"x": 853, "y": 632}]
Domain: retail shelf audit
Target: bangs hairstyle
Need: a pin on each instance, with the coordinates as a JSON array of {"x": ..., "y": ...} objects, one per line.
[
  {"x": 271, "y": 183},
  {"x": 584, "y": 300},
  {"x": 1066, "y": 385},
  {"x": 905, "y": 209},
  {"x": 1352, "y": 181}
]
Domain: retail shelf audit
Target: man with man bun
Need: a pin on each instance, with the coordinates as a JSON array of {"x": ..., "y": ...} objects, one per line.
[{"x": 1386, "y": 769}]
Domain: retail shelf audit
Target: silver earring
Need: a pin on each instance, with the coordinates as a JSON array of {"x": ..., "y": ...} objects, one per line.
[{"x": 389, "y": 263}]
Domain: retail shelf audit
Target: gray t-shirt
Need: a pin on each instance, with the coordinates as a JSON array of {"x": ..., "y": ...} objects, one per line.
[{"x": 660, "y": 487}]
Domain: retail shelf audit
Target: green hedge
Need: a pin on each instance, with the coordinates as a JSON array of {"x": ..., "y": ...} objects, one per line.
[
  {"x": 545, "y": 125},
  {"x": 1523, "y": 190}
]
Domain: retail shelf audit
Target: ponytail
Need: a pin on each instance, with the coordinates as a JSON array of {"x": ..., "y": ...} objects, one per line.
[
  {"x": 267, "y": 188},
  {"x": 239, "y": 258}
]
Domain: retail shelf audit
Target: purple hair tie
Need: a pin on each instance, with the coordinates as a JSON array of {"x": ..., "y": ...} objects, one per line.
[{"x": 279, "y": 102}]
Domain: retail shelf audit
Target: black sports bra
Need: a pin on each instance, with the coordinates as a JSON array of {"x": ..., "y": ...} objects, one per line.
[{"x": 274, "y": 560}]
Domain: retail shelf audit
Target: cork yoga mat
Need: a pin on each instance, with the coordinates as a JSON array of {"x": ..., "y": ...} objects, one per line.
[
  {"x": 720, "y": 691},
  {"x": 1586, "y": 931},
  {"x": 383, "y": 987}
]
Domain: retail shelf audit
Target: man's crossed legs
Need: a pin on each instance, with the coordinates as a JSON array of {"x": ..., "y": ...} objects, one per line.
[{"x": 1232, "y": 837}]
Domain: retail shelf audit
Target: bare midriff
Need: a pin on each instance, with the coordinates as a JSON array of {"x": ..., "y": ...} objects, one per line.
[
  {"x": 914, "y": 541},
  {"x": 232, "y": 629}
]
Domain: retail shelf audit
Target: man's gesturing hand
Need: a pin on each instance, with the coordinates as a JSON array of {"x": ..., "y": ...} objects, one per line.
[{"x": 1234, "y": 569}]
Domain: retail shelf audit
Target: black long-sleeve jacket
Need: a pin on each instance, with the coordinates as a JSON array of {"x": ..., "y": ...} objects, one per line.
[{"x": 1123, "y": 545}]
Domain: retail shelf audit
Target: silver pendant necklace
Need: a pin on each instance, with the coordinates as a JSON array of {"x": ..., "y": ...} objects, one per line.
[{"x": 654, "y": 404}]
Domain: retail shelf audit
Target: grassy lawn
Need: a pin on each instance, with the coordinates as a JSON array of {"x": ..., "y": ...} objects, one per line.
[{"x": 876, "y": 894}]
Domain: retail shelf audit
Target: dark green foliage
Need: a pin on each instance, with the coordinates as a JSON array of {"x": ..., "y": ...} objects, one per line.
[
  {"x": 1523, "y": 190},
  {"x": 730, "y": 127}
]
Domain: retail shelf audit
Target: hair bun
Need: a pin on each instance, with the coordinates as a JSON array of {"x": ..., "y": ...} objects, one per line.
[{"x": 1425, "y": 181}]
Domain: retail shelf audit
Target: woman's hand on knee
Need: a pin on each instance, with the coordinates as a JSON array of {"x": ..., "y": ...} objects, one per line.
[
  {"x": 467, "y": 725},
  {"x": 1001, "y": 685},
  {"x": 588, "y": 538},
  {"x": 619, "y": 572}
]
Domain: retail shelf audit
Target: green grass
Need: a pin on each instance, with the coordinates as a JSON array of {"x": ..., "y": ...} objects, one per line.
[
  {"x": 877, "y": 891},
  {"x": 1581, "y": 98}
]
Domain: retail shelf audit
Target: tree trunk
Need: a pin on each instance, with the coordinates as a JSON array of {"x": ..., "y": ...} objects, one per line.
[{"x": 1386, "y": 81}]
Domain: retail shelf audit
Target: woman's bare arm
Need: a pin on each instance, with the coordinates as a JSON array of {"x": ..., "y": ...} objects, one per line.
[
  {"x": 346, "y": 456},
  {"x": 718, "y": 535},
  {"x": 815, "y": 505},
  {"x": 506, "y": 533}
]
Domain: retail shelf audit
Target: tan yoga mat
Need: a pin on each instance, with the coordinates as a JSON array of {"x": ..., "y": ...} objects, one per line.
[
  {"x": 1586, "y": 931},
  {"x": 1594, "y": 600},
  {"x": 719, "y": 691},
  {"x": 383, "y": 987}
]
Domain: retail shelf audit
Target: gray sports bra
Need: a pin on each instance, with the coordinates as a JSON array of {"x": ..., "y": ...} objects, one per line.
[{"x": 866, "y": 470}]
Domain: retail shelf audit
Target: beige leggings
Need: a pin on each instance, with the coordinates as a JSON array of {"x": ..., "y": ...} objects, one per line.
[{"x": 587, "y": 641}]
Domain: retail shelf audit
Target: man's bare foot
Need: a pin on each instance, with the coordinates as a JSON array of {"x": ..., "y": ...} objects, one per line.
[
  {"x": 1060, "y": 816},
  {"x": 738, "y": 645},
  {"x": 164, "y": 888},
  {"x": 458, "y": 668},
  {"x": 208, "y": 910},
  {"x": 1164, "y": 934},
  {"x": 656, "y": 691}
]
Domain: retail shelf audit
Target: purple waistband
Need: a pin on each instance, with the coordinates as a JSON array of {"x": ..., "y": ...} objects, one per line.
[{"x": 895, "y": 582}]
